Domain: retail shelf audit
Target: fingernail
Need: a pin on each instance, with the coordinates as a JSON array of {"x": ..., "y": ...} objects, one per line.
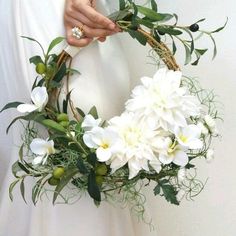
[{"x": 111, "y": 26}]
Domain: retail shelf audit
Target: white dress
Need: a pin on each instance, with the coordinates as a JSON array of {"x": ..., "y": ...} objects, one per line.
[{"x": 104, "y": 82}]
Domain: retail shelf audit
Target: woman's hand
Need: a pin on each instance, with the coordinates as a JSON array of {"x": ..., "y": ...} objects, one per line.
[{"x": 81, "y": 13}]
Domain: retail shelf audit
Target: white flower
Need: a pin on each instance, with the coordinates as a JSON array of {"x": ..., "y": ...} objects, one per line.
[
  {"x": 42, "y": 148},
  {"x": 203, "y": 128},
  {"x": 90, "y": 122},
  {"x": 172, "y": 152},
  {"x": 189, "y": 137},
  {"x": 181, "y": 175},
  {"x": 135, "y": 144},
  {"x": 162, "y": 102},
  {"x": 39, "y": 97},
  {"x": 209, "y": 155},
  {"x": 105, "y": 141}
]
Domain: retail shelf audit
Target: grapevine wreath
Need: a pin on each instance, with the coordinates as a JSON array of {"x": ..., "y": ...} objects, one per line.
[{"x": 167, "y": 123}]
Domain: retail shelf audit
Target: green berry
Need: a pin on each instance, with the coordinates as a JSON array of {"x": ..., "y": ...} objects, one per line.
[
  {"x": 40, "y": 68},
  {"x": 53, "y": 181},
  {"x": 99, "y": 180},
  {"x": 58, "y": 172},
  {"x": 194, "y": 27},
  {"x": 101, "y": 169},
  {"x": 62, "y": 117},
  {"x": 65, "y": 124},
  {"x": 161, "y": 32},
  {"x": 50, "y": 70}
]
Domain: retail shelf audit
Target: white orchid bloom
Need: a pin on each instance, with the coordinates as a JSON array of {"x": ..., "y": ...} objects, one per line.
[
  {"x": 209, "y": 155},
  {"x": 105, "y": 141},
  {"x": 189, "y": 137},
  {"x": 90, "y": 122},
  {"x": 42, "y": 148},
  {"x": 162, "y": 101},
  {"x": 173, "y": 153},
  {"x": 39, "y": 97}
]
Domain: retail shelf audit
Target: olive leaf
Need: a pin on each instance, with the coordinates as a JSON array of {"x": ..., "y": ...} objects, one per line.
[
  {"x": 67, "y": 177},
  {"x": 11, "y": 105}
]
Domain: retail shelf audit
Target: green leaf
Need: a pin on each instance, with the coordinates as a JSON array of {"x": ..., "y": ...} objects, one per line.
[
  {"x": 169, "y": 30},
  {"x": 37, "y": 189},
  {"x": 168, "y": 191},
  {"x": 174, "y": 48},
  {"x": 66, "y": 102},
  {"x": 201, "y": 51},
  {"x": 67, "y": 177},
  {"x": 53, "y": 125},
  {"x": 31, "y": 116},
  {"x": 146, "y": 23},
  {"x": 137, "y": 35},
  {"x": 93, "y": 112},
  {"x": 15, "y": 168},
  {"x": 154, "y": 5},
  {"x": 122, "y": 4},
  {"x": 149, "y": 13},
  {"x": 187, "y": 54},
  {"x": 93, "y": 188},
  {"x": 35, "y": 60},
  {"x": 157, "y": 190},
  {"x": 80, "y": 112},
  {"x": 203, "y": 19},
  {"x": 220, "y": 28},
  {"x": 119, "y": 15},
  {"x": 11, "y": 187},
  {"x": 82, "y": 168},
  {"x": 215, "y": 49},
  {"x": 92, "y": 158},
  {"x": 191, "y": 41},
  {"x": 20, "y": 153},
  {"x": 135, "y": 12},
  {"x": 34, "y": 40},
  {"x": 60, "y": 73},
  {"x": 11, "y": 105},
  {"x": 23, "y": 168},
  {"x": 22, "y": 190},
  {"x": 54, "y": 42},
  {"x": 170, "y": 194},
  {"x": 72, "y": 71}
]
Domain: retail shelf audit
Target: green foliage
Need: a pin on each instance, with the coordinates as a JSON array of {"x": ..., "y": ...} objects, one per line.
[
  {"x": 11, "y": 105},
  {"x": 67, "y": 178},
  {"x": 93, "y": 188},
  {"x": 166, "y": 189}
]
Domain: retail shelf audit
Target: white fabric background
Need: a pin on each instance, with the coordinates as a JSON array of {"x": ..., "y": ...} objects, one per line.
[{"x": 213, "y": 213}]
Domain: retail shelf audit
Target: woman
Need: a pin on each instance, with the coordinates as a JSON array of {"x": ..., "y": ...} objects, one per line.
[{"x": 104, "y": 82}]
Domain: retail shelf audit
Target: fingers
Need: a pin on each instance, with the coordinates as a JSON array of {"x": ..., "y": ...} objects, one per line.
[
  {"x": 90, "y": 32},
  {"x": 82, "y": 18},
  {"x": 94, "y": 16}
]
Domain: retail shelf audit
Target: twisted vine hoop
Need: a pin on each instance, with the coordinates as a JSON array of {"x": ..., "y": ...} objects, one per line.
[{"x": 69, "y": 52}]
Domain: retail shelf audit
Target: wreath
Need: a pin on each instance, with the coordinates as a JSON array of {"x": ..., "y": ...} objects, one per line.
[{"x": 168, "y": 122}]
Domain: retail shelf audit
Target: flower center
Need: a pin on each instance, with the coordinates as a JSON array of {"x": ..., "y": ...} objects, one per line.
[
  {"x": 132, "y": 136},
  {"x": 104, "y": 145},
  {"x": 183, "y": 138}
]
